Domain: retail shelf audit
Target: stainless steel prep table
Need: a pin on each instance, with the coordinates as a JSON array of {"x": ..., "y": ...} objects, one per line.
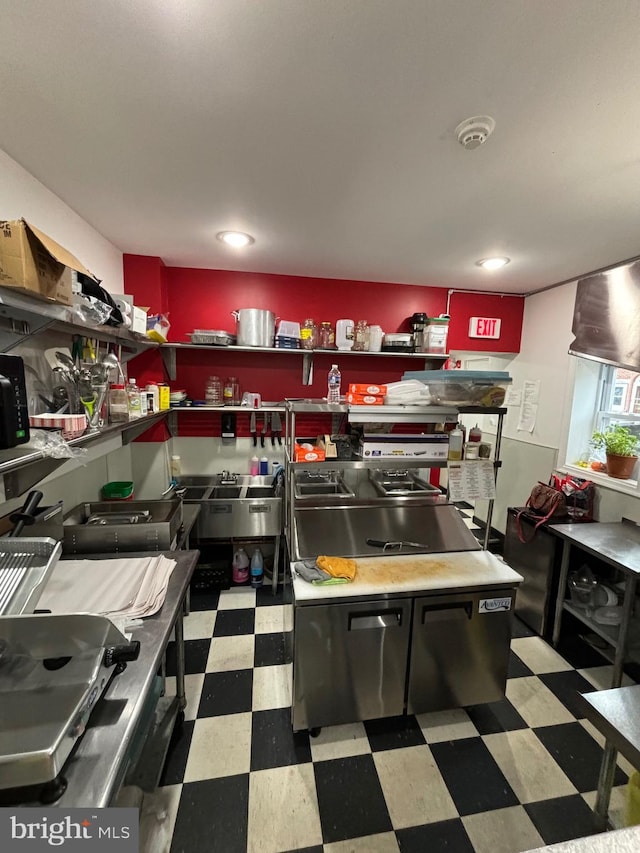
[
  {"x": 411, "y": 633},
  {"x": 97, "y": 768},
  {"x": 615, "y": 713},
  {"x": 618, "y": 545}
]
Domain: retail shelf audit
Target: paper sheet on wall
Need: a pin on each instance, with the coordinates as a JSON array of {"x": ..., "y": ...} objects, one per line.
[
  {"x": 528, "y": 415},
  {"x": 471, "y": 481},
  {"x": 531, "y": 391},
  {"x": 513, "y": 397}
]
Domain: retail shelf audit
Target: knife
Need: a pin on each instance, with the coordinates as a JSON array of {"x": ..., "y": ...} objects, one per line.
[
  {"x": 265, "y": 427},
  {"x": 252, "y": 429},
  {"x": 276, "y": 427},
  {"x": 379, "y": 543}
]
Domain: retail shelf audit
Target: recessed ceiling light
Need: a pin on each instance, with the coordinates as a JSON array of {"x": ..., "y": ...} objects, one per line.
[
  {"x": 237, "y": 239},
  {"x": 492, "y": 263}
]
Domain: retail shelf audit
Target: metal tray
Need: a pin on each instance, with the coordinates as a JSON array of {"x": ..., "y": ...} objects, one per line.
[{"x": 25, "y": 566}]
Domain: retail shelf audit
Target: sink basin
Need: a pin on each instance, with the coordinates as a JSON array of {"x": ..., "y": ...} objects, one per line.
[
  {"x": 308, "y": 490},
  {"x": 226, "y": 492},
  {"x": 195, "y": 493},
  {"x": 399, "y": 487},
  {"x": 259, "y": 492}
]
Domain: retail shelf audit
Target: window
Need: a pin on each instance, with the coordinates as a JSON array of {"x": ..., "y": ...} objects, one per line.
[
  {"x": 618, "y": 396},
  {"x": 604, "y": 395}
]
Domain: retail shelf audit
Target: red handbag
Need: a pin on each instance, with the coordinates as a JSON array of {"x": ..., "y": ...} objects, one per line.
[{"x": 543, "y": 502}]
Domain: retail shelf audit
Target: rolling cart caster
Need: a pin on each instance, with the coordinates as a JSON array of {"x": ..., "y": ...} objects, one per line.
[{"x": 315, "y": 732}]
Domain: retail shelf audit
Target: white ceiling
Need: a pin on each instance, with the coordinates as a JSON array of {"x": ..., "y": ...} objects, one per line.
[{"x": 325, "y": 129}]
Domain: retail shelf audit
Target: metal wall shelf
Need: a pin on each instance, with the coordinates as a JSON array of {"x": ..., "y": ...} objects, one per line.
[
  {"x": 22, "y": 316},
  {"x": 169, "y": 351},
  {"x": 21, "y": 468}
]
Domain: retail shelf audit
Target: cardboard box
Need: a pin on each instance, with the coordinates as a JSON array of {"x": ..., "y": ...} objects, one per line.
[
  {"x": 32, "y": 262},
  {"x": 363, "y": 388},
  {"x": 365, "y": 400},
  {"x": 304, "y": 454},
  {"x": 434, "y": 446}
]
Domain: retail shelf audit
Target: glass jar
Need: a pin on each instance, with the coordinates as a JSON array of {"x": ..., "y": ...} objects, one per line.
[
  {"x": 231, "y": 392},
  {"x": 309, "y": 335},
  {"x": 213, "y": 393},
  {"x": 360, "y": 336},
  {"x": 327, "y": 338}
]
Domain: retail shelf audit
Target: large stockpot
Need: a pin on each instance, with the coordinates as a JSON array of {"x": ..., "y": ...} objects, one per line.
[{"x": 256, "y": 327}]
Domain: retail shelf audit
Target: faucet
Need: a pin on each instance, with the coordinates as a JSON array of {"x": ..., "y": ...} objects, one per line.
[
  {"x": 175, "y": 487},
  {"x": 228, "y": 479}
]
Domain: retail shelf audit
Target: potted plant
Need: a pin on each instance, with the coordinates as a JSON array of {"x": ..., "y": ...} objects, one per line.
[{"x": 620, "y": 445}]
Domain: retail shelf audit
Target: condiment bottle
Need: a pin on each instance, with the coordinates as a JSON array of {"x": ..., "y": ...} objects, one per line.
[
  {"x": 455, "y": 444},
  {"x": 475, "y": 434}
]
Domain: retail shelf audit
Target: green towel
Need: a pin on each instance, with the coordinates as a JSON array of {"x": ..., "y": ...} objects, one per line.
[{"x": 331, "y": 581}]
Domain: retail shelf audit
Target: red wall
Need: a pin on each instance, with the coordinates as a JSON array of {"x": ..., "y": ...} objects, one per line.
[
  {"x": 465, "y": 305},
  {"x": 204, "y": 299}
]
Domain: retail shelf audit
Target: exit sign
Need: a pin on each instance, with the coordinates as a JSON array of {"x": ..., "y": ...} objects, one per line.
[{"x": 484, "y": 327}]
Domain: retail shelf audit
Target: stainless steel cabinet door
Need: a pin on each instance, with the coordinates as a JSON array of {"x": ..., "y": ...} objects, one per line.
[
  {"x": 350, "y": 662},
  {"x": 459, "y": 650}
]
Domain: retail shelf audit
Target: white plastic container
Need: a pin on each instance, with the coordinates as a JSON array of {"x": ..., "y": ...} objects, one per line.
[
  {"x": 344, "y": 334},
  {"x": 257, "y": 568},
  {"x": 375, "y": 338}
]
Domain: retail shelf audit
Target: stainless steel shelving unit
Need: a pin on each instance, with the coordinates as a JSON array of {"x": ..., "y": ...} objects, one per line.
[{"x": 377, "y": 414}]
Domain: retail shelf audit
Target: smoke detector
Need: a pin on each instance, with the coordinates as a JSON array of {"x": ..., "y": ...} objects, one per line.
[{"x": 472, "y": 132}]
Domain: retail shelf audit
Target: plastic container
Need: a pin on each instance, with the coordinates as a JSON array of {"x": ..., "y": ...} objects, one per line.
[
  {"x": 434, "y": 335},
  {"x": 254, "y": 468},
  {"x": 153, "y": 388},
  {"x": 176, "y": 466},
  {"x": 240, "y": 566},
  {"x": 257, "y": 568},
  {"x": 344, "y": 334},
  {"x": 333, "y": 385},
  {"x": 118, "y": 404},
  {"x": 134, "y": 401},
  {"x": 213, "y": 392},
  {"x": 231, "y": 395},
  {"x": 119, "y": 490},
  {"x": 463, "y": 387},
  {"x": 455, "y": 444},
  {"x": 375, "y": 338},
  {"x": 475, "y": 434}
]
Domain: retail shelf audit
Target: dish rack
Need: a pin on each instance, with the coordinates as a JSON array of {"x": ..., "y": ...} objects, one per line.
[{"x": 25, "y": 566}]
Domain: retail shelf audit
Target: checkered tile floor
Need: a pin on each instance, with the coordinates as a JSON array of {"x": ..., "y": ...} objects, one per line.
[{"x": 498, "y": 778}]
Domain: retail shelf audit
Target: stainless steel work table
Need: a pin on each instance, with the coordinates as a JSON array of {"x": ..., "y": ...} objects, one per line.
[
  {"x": 615, "y": 713},
  {"x": 618, "y": 545},
  {"x": 97, "y": 768}
]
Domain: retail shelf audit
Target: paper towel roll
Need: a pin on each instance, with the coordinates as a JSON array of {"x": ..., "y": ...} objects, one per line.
[{"x": 124, "y": 306}]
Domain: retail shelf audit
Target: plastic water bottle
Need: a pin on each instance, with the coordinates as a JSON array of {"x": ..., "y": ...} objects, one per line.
[
  {"x": 333, "y": 392},
  {"x": 257, "y": 568}
]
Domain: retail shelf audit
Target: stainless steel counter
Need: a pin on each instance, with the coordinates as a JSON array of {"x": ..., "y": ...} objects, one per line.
[
  {"x": 97, "y": 768},
  {"x": 617, "y": 543}
]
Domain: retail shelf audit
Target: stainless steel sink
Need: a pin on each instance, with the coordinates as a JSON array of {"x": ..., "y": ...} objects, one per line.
[
  {"x": 115, "y": 526},
  {"x": 310, "y": 484},
  {"x": 235, "y": 505},
  {"x": 400, "y": 483}
]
